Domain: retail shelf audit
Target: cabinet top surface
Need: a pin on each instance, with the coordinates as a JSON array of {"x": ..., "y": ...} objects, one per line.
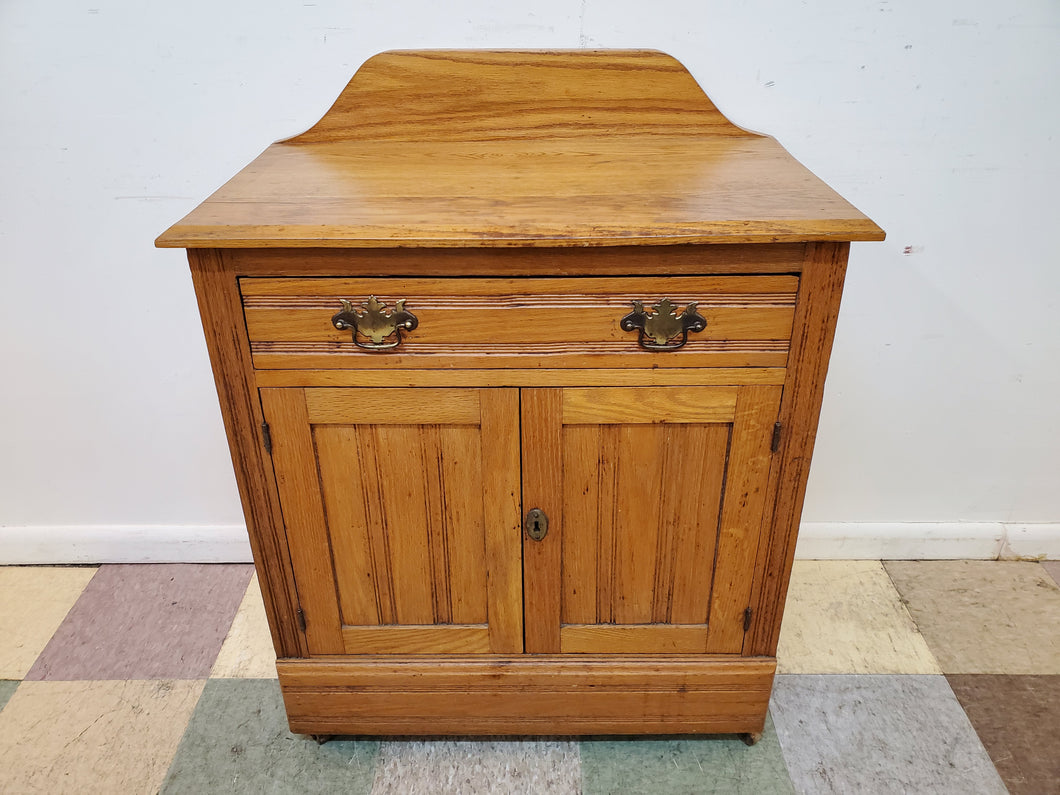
[{"x": 520, "y": 148}]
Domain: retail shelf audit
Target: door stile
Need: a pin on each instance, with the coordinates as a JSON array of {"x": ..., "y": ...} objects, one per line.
[
  {"x": 746, "y": 492},
  {"x": 542, "y": 460},
  {"x": 501, "y": 512},
  {"x": 303, "y": 510}
]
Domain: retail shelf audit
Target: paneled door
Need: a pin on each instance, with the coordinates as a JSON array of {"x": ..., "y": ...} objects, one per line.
[
  {"x": 654, "y": 498},
  {"x": 402, "y": 512}
]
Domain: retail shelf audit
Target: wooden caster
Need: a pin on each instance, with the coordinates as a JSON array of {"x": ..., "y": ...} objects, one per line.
[
  {"x": 321, "y": 738},
  {"x": 750, "y": 738}
]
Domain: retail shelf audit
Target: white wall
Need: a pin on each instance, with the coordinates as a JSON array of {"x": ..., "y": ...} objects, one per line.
[{"x": 936, "y": 119}]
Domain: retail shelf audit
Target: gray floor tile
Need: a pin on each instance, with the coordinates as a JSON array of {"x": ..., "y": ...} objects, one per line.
[
  {"x": 879, "y": 734},
  {"x": 682, "y": 766},
  {"x": 472, "y": 766},
  {"x": 238, "y": 742}
]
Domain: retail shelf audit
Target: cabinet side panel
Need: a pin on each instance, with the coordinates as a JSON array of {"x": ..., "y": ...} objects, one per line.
[
  {"x": 816, "y": 312},
  {"x": 221, "y": 310}
]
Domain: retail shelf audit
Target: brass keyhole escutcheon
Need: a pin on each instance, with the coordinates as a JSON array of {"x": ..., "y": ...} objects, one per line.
[{"x": 536, "y": 524}]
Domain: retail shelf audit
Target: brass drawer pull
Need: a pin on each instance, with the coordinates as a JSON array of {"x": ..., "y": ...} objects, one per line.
[
  {"x": 659, "y": 330},
  {"x": 375, "y": 322}
]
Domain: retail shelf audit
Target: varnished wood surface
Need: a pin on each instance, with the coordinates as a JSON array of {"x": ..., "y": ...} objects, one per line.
[
  {"x": 542, "y": 481},
  {"x": 402, "y": 518},
  {"x": 426, "y": 96},
  {"x": 816, "y": 313},
  {"x": 390, "y": 377},
  {"x": 546, "y": 694},
  {"x": 663, "y": 492},
  {"x": 747, "y": 492},
  {"x": 466, "y": 155},
  {"x": 520, "y": 322},
  {"x": 217, "y": 293},
  {"x": 623, "y": 260}
]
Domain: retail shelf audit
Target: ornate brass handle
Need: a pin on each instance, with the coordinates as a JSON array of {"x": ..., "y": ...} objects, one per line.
[
  {"x": 658, "y": 331},
  {"x": 375, "y": 322}
]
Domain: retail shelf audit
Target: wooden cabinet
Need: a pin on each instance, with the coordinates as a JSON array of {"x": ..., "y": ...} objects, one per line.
[{"x": 521, "y": 382}]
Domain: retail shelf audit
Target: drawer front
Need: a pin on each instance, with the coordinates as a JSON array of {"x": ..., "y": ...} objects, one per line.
[{"x": 521, "y": 323}]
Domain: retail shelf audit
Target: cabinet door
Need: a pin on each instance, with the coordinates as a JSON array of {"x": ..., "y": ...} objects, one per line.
[
  {"x": 402, "y": 513},
  {"x": 655, "y": 500}
]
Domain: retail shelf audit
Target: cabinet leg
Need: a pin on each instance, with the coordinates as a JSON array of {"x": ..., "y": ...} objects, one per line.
[
  {"x": 321, "y": 738},
  {"x": 750, "y": 738}
]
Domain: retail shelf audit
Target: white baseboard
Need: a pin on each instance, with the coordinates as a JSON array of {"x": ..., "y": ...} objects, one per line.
[
  {"x": 817, "y": 541},
  {"x": 124, "y": 544},
  {"x": 1041, "y": 541},
  {"x": 927, "y": 541}
]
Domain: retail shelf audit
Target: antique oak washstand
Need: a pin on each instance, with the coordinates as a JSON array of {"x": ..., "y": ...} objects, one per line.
[{"x": 520, "y": 356}]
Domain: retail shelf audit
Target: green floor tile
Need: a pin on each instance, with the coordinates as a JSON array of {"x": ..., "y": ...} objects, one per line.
[
  {"x": 7, "y": 687},
  {"x": 722, "y": 764},
  {"x": 238, "y": 741}
]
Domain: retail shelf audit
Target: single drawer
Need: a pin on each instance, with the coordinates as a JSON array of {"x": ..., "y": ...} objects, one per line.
[{"x": 737, "y": 321}]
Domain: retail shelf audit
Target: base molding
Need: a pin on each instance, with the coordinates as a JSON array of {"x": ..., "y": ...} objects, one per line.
[
  {"x": 927, "y": 541},
  {"x": 58, "y": 544},
  {"x": 522, "y": 695}
]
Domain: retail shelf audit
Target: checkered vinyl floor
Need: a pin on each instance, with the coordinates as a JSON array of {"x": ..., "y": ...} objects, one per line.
[{"x": 903, "y": 677}]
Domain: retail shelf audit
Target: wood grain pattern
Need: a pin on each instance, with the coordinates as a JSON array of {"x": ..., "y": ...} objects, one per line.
[
  {"x": 621, "y": 406},
  {"x": 633, "y": 639},
  {"x": 295, "y": 465},
  {"x": 520, "y": 202},
  {"x": 747, "y": 493},
  {"x": 692, "y": 509},
  {"x": 481, "y": 160},
  {"x": 364, "y": 584},
  {"x": 501, "y": 499},
  {"x": 501, "y": 322},
  {"x": 641, "y": 505},
  {"x": 527, "y": 94},
  {"x": 816, "y": 312},
  {"x": 620, "y": 260},
  {"x": 542, "y": 462},
  {"x": 403, "y": 520},
  {"x": 412, "y": 639},
  {"x": 217, "y": 293},
  {"x": 544, "y": 694},
  {"x": 714, "y": 376},
  {"x": 393, "y": 406}
]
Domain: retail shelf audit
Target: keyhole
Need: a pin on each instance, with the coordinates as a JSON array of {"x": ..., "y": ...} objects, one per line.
[{"x": 536, "y": 524}]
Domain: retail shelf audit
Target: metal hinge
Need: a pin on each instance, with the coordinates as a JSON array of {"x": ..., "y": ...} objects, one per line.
[
  {"x": 775, "y": 444},
  {"x": 301, "y": 618},
  {"x": 266, "y": 436},
  {"x": 747, "y": 619}
]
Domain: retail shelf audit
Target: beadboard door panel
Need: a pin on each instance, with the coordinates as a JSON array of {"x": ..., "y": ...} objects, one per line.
[
  {"x": 401, "y": 508},
  {"x": 655, "y": 499}
]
